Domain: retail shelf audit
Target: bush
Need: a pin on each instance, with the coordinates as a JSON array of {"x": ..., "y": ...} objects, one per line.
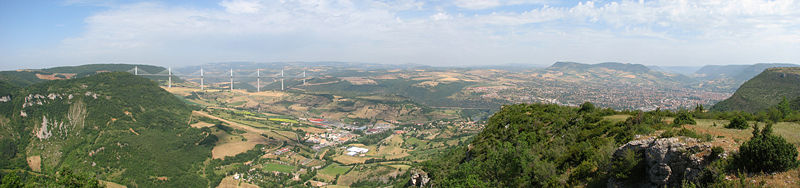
[
  {"x": 766, "y": 153},
  {"x": 628, "y": 166},
  {"x": 713, "y": 175},
  {"x": 684, "y": 118},
  {"x": 738, "y": 122},
  {"x": 715, "y": 152},
  {"x": 687, "y": 133}
]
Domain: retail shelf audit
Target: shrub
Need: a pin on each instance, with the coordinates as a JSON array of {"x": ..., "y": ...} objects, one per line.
[
  {"x": 714, "y": 173},
  {"x": 587, "y": 107},
  {"x": 738, "y": 122},
  {"x": 628, "y": 166},
  {"x": 684, "y": 118},
  {"x": 715, "y": 152},
  {"x": 766, "y": 153}
]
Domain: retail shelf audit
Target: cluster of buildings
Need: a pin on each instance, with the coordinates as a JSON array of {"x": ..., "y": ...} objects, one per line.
[
  {"x": 281, "y": 151},
  {"x": 378, "y": 128},
  {"x": 330, "y": 138},
  {"x": 615, "y": 95}
]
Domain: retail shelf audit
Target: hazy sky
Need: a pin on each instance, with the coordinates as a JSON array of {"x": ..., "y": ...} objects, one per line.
[{"x": 35, "y": 34}]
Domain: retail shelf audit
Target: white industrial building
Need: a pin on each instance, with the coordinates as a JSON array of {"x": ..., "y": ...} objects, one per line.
[{"x": 356, "y": 150}]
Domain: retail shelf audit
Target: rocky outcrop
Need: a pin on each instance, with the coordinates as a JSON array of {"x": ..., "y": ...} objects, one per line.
[
  {"x": 668, "y": 161},
  {"x": 419, "y": 178}
]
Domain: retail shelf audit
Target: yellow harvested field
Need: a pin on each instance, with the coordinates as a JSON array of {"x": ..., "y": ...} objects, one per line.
[
  {"x": 347, "y": 160},
  {"x": 312, "y": 130},
  {"x": 360, "y": 173},
  {"x": 180, "y": 90},
  {"x": 336, "y": 186},
  {"x": 201, "y": 124},
  {"x": 401, "y": 167},
  {"x": 229, "y": 182},
  {"x": 237, "y": 146},
  {"x": 785, "y": 129},
  {"x": 449, "y": 79},
  {"x": 109, "y": 184},
  {"x": 232, "y": 148},
  {"x": 359, "y": 80},
  {"x": 35, "y": 162},
  {"x": 391, "y": 149}
]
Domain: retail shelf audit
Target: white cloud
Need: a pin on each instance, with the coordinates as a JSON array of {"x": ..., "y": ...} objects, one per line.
[
  {"x": 241, "y": 6},
  {"x": 477, "y": 4},
  {"x": 488, "y": 4},
  {"x": 651, "y": 32},
  {"x": 440, "y": 16}
]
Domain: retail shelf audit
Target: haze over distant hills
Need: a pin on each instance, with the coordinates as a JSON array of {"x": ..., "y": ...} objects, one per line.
[
  {"x": 611, "y": 84},
  {"x": 27, "y": 77}
]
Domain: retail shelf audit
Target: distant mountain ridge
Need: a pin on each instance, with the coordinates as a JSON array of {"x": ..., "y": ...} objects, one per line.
[
  {"x": 616, "y": 72},
  {"x": 763, "y": 91},
  {"x": 25, "y": 77},
  {"x": 685, "y": 70},
  {"x": 738, "y": 72},
  {"x": 627, "y": 67}
]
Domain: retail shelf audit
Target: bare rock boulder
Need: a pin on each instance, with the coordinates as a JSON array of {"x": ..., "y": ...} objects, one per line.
[{"x": 668, "y": 161}]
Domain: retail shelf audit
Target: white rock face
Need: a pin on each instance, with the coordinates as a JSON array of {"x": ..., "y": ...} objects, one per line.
[
  {"x": 43, "y": 133},
  {"x": 668, "y": 161}
]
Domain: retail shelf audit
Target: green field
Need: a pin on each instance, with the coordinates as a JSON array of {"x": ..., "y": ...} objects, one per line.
[
  {"x": 237, "y": 103},
  {"x": 617, "y": 118},
  {"x": 334, "y": 169},
  {"x": 278, "y": 167},
  {"x": 283, "y": 120}
]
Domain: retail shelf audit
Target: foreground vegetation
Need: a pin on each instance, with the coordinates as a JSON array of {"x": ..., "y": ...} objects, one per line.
[{"x": 553, "y": 146}]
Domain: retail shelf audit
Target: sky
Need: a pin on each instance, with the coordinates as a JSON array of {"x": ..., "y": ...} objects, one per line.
[{"x": 39, "y": 33}]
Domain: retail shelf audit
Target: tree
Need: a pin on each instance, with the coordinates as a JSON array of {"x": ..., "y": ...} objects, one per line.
[
  {"x": 11, "y": 180},
  {"x": 684, "y": 118},
  {"x": 587, "y": 107},
  {"x": 699, "y": 108},
  {"x": 774, "y": 115},
  {"x": 765, "y": 152},
  {"x": 738, "y": 122},
  {"x": 785, "y": 108}
]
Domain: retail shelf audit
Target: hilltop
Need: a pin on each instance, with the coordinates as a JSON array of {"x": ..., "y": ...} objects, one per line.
[
  {"x": 121, "y": 127},
  {"x": 625, "y": 67},
  {"x": 763, "y": 91},
  {"x": 729, "y": 77},
  {"x": 613, "y": 71},
  {"x": 25, "y": 77}
]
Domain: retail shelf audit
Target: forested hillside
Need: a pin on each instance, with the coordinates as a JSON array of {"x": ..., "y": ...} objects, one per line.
[
  {"x": 115, "y": 126},
  {"x": 763, "y": 91}
]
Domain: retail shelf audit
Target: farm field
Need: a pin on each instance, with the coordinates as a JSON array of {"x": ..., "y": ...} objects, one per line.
[{"x": 280, "y": 123}]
